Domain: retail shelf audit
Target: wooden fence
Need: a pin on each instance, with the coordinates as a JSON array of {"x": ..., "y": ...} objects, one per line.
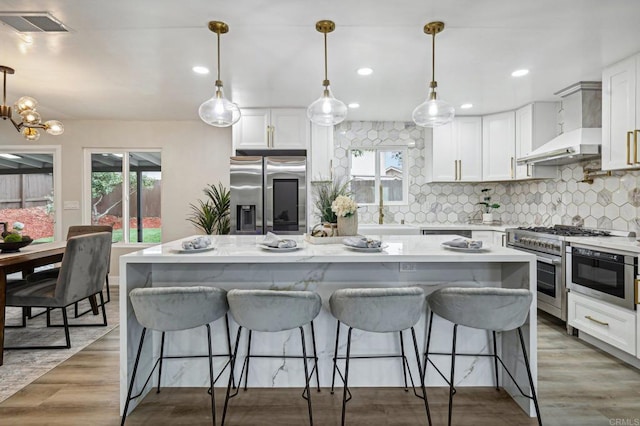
[{"x": 24, "y": 191}]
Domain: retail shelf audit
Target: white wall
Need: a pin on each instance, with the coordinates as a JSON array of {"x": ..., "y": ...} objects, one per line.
[{"x": 193, "y": 155}]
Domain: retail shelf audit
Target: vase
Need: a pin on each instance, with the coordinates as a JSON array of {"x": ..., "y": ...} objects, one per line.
[
  {"x": 487, "y": 217},
  {"x": 330, "y": 229},
  {"x": 348, "y": 225}
]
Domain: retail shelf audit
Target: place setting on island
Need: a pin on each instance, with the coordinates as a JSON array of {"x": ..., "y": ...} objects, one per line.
[
  {"x": 272, "y": 242},
  {"x": 465, "y": 245}
]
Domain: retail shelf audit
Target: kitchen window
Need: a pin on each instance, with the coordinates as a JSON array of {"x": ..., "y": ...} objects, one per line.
[
  {"x": 371, "y": 168},
  {"x": 125, "y": 192}
]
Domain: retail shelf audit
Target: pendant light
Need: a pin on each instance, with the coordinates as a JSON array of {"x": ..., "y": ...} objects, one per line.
[
  {"x": 219, "y": 111},
  {"x": 433, "y": 112},
  {"x": 326, "y": 110}
]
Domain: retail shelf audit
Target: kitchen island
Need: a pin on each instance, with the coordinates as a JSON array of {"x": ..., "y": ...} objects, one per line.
[{"x": 237, "y": 262}]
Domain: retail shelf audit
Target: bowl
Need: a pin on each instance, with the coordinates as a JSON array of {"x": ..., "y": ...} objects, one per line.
[{"x": 14, "y": 247}]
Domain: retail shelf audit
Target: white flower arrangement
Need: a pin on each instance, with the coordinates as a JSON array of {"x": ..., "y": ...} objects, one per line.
[
  {"x": 18, "y": 226},
  {"x": 344, "y": 206}
]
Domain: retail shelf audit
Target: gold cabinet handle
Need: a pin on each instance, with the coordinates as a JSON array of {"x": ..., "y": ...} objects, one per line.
[
  {"x": 529, "y": 167},
  {"x": 455, "y": 169},
  {"x": 629, "y": 163},
  {"x": 459, "y": 169},
  {"x": 589, "y": 317},
  {"x": 273, "y": 132},
  {"x": 512, "y": 168},
  {"x": 268, "y": 136},
  {"x": 635, "y": 146},
  {"x": 637, "y": 291}
]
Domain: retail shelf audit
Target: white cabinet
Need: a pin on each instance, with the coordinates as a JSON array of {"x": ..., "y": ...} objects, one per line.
[
  {"x": 321, "y": 166},
  {"x": 621, "y": 114},
  {"x": 535, "y": 125},
  {"x": 499, "y": 239},
  {"x": 498, "y": 146},
  {"x": 492, "y": 238},
  {"x": 457, "y": 151},
  {"x": 606, "y": 322},
  {"x": 279, "y": 128}
]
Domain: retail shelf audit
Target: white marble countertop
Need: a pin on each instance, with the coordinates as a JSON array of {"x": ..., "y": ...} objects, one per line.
[
  {"x": 616, "y": 243},
  {"x": 469, "y": 226},
  {"x": 398, "y": 248}
]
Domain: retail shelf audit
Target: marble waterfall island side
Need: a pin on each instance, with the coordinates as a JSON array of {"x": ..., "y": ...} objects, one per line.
[{"x": 236, "y": 262}]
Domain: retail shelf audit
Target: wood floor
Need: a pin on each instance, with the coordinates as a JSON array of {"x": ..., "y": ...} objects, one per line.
[{"x": 578, "y": 385}]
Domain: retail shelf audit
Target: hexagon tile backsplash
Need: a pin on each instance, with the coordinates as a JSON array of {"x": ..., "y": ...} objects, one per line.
[{"x": 611, "y": 202}]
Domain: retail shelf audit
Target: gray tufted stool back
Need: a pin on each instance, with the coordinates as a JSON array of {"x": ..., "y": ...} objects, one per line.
[
  {"x": 273, "y": 310},
  {"x": 178, "y": 308},
  {"x": 486, "y": 308},
  {"x": 379, "y": 310}
]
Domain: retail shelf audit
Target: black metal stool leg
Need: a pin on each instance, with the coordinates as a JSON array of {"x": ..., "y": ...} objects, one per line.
[
  {"x": 315, "y": 355},
  {"x": 226, "y": 322},
  {"x": 233, "y": 364},
  {"x": 133, "y": 378},
  {"x": 211, "y": 383},
  {"x": 108, "y": 290},
  {"x": 424, "y": 390},
  {"x": 246, "y": 377},
  {"x": 346, "y": 377},
  {"x": 404, "y": 362},
  {"x": 495, "y": 359},
  {"x": 426, "y": 352},
  {"x": 160, "y": 361},
  {"x": 533, "y": 390},
  {"x": 66, "y": 327},
  {"x": 335, "y": 358},
  {"x": 306, "y": 376},
  {"x": 453, "y": 367}
]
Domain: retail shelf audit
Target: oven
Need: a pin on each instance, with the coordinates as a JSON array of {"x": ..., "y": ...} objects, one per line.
[{"x": 607, "y": 275}]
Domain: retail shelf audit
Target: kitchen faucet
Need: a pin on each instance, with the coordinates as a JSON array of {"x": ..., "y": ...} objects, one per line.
[{"x": 381, "y": 209}]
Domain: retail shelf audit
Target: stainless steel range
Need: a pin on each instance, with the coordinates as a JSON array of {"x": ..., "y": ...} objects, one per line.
[{"x": 549, "y": 244}]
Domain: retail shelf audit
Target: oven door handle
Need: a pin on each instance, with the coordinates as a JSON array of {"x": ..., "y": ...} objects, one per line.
[{"x": 549, "y": 261}]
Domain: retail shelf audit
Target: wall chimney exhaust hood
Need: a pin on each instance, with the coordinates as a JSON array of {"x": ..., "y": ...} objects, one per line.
[{"x": 579, "y": 120}]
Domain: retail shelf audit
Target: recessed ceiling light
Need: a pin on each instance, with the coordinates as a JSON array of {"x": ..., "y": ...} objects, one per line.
[
  {"x": 365, "y": 71},
  {"x": 354, "y": 105},
  {"x": 519, "y": 73},
  {"x": 200, "y": 70},
  {"x": 466, "y": 106}
]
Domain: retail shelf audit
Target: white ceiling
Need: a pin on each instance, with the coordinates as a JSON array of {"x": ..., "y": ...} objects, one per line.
[{"x": 132, "y": 59}]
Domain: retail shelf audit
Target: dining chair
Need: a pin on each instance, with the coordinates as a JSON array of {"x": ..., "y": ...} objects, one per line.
[{"x": 84, "y": 265}]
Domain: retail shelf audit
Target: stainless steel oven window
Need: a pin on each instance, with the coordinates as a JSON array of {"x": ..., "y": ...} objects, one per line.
[{"x": 547, "y": 281}]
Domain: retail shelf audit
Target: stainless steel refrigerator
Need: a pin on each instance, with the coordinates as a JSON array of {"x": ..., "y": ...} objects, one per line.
[{"x": 268, "y": 194}]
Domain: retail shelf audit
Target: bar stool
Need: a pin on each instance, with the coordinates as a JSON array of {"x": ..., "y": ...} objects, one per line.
[
  {"x": 378, "y": 310},
  {"x": 273, "y": 311},
  {"x": 174, "y": 309},
  {"x": 485, "y": 308}
]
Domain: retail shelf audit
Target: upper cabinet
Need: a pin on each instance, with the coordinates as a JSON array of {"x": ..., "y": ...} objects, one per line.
[
  {"x": 498, "y": 146},
  {"x": 621, "y": 115},
  {"x": 535, "y": 125},
  {"x": 457, "y": 151},
  {"x": 276, "y": 128},
  {"x": 321, "y": 153}
]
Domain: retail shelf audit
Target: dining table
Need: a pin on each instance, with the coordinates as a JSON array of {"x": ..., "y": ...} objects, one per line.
[{"x": 25, "y": 261}]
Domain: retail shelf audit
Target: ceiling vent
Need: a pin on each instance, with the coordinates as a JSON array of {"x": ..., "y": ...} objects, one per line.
[{"x": 32, "y": 22}]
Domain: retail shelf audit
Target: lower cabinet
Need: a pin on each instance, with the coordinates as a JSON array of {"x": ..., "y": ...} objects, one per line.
[
  {"x": 492, "y": 238},
  {"x": 606, "y": 322}
]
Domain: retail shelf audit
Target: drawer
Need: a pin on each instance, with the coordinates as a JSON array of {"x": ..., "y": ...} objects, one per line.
[{"x": 611, "y": 324}]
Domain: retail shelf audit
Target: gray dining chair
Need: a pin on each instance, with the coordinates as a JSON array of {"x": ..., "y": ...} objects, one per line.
[
  {"x": 168, "y": 309},
  {"x": 484, "y": 308},
  {"x": 273, "y": 311},
  {"x": 378, "y": 310},
  {"x": 84, "y": 265}
]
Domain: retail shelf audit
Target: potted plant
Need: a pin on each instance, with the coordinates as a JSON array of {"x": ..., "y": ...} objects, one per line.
[
  {"x": 325, "y": 193},
  {"x": 214, "y": 214},
  {"x": 487, "y": 213},
  {"x": 347, "y": 212}
]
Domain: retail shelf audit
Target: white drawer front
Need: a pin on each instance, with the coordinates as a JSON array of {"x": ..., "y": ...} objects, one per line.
[{"x": 609, "y": 323}]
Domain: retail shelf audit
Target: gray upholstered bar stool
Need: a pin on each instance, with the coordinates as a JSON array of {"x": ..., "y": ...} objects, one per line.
[
  {"x": 273, "y": 311},
  {"x": 485, "y": 308},
  {"x": 174, "y": 309},
  {"x": 378, "y": 310}
]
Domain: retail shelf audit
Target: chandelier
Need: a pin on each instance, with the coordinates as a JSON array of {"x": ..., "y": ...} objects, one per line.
[{"x": 29, "y": 118}]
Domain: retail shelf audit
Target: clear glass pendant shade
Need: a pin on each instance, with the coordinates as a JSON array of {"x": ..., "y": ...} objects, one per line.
[
  {"x": 433, "y": 113},
  {"x": 327, "y": 110},
  {"x": 219, "y": 111},
  {"x": 30, "y": 134},
  {"x": 53, "y": 127},
  {"x": 25, "y": 103},
  {"x": 30, "y": 117}
]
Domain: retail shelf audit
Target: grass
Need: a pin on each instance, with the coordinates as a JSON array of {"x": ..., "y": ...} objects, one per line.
[{"x": 149, "y": 235}]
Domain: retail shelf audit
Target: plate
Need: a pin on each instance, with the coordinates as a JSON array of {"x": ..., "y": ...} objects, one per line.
[
  {"x": 465, "y": 249},
  {"x": 200, "y": 250},
  {"x": 367, "y": 249},
  {"x": 283, "y": 249}
]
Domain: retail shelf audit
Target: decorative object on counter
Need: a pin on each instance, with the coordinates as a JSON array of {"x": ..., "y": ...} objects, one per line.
[
  {"x": 219, "y": 111},
  {"x": 363, "y": 244},
  {"x": 326, "y": 110},
  {"x": 464, "y": 244},
  {"x": 433, "y": 112},
  {"x": 213, "y": 215},
  {"x": 18, "y": 227},
  {"x": 487, "y": 215},
  {"x": 30, "y": 120},
  {"x": 196, "y": 243},
  {"x": 347, "y": 211},
  {"x": 14, "y": 242},
  {"x": 325, "y": 193},
  {"x": 273, "y": 241}
]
